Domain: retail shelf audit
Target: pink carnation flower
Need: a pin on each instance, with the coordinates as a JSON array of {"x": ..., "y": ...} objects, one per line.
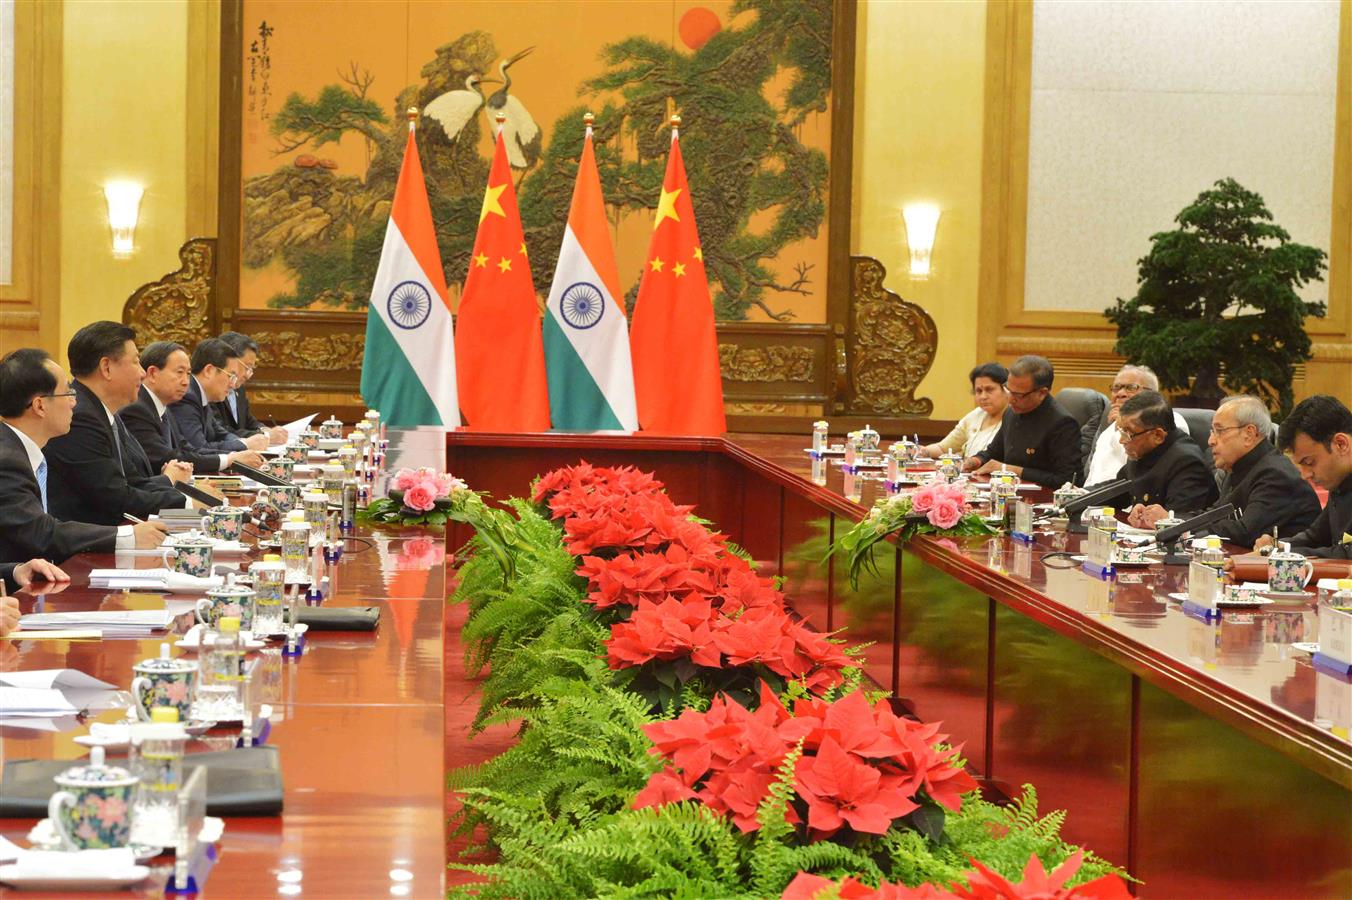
[
  {"x": 447, "y": 483},
  {"x": 923, "y": 499},
  {"x": 405, "y": 479},
  {"x": 946, "y": 513},
  {"x": 420, "y": 497}
]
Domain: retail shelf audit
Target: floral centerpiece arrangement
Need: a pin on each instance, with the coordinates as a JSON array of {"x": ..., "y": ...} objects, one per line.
[
  {"x": 428, "y": 498},
  {"x": 420, "y": 497},
  {"x": 933, "y": 509}
]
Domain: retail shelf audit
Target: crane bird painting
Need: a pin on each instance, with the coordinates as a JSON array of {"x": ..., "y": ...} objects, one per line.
[
  {"x": 520, "y": 132},
  {"x": 454, "y": 109}
]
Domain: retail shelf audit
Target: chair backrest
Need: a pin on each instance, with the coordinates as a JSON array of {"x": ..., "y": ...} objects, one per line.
[
  {"x": 1082, "y": 403},
  {"x": 1199, "y": 428}
]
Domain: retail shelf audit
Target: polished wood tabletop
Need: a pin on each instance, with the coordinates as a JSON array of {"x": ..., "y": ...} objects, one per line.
[{"x": 358, "y": 720}]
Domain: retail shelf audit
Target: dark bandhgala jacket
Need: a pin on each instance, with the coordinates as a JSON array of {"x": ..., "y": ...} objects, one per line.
[
  {"x": 1330, "y": 535},
  {"x": 160, "y": 437},
  {"x": 26, "y": 532},
  {"x": 1268, "y": 492},
  {"x": 198, "y": 426},
  {"x": 1173, "y": 475},
  {"x": 96, "y": 475},
  {"x": 1046, "y": 442}
]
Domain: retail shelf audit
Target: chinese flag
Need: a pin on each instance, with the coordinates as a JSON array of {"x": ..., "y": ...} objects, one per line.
[
  {"x": 677, "y": 382},
  {"x": 499, "y": 351}
]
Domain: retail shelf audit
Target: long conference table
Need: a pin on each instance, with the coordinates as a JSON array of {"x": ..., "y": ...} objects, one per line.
[{"x": 1188, "y": 751}]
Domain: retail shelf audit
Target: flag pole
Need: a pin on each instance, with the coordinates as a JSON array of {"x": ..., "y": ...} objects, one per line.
[
  {"x": 412, "y": 118},
  {"x": 675, "y": 125},
  {"x": 502, "y": 121},
  {"x": 588, "y": 120}
]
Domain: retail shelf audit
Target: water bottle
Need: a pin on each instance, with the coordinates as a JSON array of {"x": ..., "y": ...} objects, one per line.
[
  {"x": 220, "y": 696},
  {"x": 296, "y": 546},
  {"x": 158, "y": 747},
  {"x": 269, "y": 583}
]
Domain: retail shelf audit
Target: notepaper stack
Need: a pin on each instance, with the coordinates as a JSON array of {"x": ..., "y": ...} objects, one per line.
[{"x": 112, "y": 623}]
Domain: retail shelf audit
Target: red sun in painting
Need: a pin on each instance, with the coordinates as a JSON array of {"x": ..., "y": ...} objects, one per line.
[{"x": 698, "y": 25}]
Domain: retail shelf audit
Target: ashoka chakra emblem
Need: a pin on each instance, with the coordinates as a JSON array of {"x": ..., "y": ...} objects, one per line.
[
  {"x": 582, "y": 305},
  {"x": 410, "y": 304}
]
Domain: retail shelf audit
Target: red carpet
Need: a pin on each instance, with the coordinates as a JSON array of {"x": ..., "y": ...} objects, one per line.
[{"x": 462, "y": 700}]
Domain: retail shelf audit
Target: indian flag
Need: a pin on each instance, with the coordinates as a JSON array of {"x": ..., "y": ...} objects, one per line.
[
  {"x": 408, "y": 372},
  {"x": 591, "y": 380}
]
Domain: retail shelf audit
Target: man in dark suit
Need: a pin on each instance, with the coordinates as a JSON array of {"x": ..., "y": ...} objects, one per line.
[
  {"x": 99, "y": 471},
  {"x": 1038, "y": 439},
  {"x": 1264, "y": 486},
  {"x": 234, "y": 411},
  {"x": 37, "y": 403},
  {"x": 1167, "y": 470},
  {"x": 1318, "y": 436},
  {"x": 166, "y": 366},
  {"x": 211, "y": 381}
]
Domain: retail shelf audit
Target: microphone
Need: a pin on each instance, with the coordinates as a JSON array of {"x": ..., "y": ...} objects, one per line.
[
  {"x": 1105, "y": 491},
  {"x": 1169, "y": 536}
]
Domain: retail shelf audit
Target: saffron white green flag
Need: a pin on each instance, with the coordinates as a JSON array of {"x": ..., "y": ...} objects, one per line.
[
  {"x": 591, "y": 378},
  {"x": 408, "y": 371}
]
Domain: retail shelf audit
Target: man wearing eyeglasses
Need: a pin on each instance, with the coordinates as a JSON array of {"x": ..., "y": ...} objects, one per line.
[
  {"x": 211, "y": 381},
  {"x": 1167, "y": 469},
  {"x": 37, "y": 404},
  {"x": 1038, "y": 440},
  {"x": 234, "y": 411},
  {"x": 1265, "y": 488},
  {"x": 1104, "y": 455}
]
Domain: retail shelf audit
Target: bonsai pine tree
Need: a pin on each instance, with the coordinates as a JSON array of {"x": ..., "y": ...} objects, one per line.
[{"x": 1216, "y": 301}]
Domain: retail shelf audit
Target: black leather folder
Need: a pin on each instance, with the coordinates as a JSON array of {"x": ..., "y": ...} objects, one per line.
[
  {"x": 340, "y": 618},
  {"x": 241, "y": 782}
]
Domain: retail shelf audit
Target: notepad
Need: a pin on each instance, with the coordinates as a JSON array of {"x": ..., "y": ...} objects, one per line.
[
  {"x": 58, "y": 679},
  {"x": 67, "y": 634}
]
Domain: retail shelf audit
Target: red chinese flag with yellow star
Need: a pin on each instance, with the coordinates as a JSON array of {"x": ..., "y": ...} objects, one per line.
[
  {"x": 499, "y": 351},
  {"x": 677, "y": 382}
]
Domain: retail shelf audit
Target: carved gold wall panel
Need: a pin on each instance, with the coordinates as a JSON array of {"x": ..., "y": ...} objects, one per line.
[
  {"x": 179, "y": 306},
  {"x": 775, "y": 362},
  {"x": 321, "y": 353},
  {"x": 891, "y": 345}
]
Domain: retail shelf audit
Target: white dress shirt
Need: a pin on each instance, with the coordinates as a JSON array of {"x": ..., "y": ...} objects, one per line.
[
  {"x": 126, "y": 540},
  {"x": 1109, "y": 456}
]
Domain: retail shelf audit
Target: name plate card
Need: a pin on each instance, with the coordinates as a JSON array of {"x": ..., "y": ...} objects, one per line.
[
  {"x": 1023, "y": 522},
  {"x": 1204, "y": 585}
]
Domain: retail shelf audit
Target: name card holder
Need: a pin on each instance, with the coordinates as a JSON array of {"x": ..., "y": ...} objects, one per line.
[
  {"x": 1204, "y": 589},
  {"x": 1023, "y": 522},
  {"x": 1098, "y": 553},
  {"x": 1335, "y": 641},
  {"x": 193, "y": 859}
]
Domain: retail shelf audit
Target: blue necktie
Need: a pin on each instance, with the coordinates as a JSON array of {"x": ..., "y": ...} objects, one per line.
[
  {"x": 42, "y": 483},
  {"x": 234, "y": 409}
]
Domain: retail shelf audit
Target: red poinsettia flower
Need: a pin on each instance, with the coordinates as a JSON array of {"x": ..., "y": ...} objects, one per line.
[
  {"x": 841, "y": 789},
  {"x": 665, "y": 630},
  {"x": 1037, "y": 884}
]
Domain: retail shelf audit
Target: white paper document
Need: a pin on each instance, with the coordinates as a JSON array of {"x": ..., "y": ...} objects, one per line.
[
  {"x": 293, "y": 429},
  {"x": 54, "y": 678},
  {"x": 22, "y": 702},
  {"x": 114, "y": 623}
]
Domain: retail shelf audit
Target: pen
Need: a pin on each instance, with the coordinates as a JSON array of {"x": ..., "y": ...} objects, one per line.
[{"x": 130, "y": 518}]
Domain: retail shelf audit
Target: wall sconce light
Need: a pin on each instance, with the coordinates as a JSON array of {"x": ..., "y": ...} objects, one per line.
[
  {"x": 124, "y": 206},
  {"x": 922, "y": 221}
]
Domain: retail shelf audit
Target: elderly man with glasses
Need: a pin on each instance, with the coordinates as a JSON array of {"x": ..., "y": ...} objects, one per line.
[
  {"x": 1103, "y": 454},
  {"x": 1167, "y": 470},
  {"x": 1037, "y": 439},
  {"x": 1264, "y": 486}
]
